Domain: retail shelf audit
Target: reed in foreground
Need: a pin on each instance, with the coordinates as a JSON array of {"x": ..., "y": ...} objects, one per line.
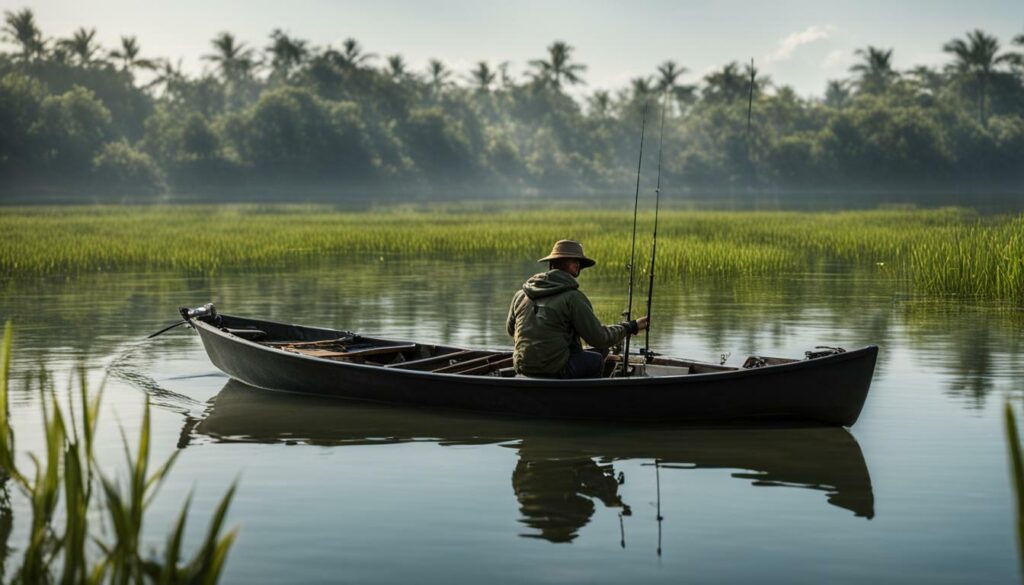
[
  {"x": 1016, "y": 475},
  {"x": 72, "y": 549},
  {"x": 951, "y": 252}
]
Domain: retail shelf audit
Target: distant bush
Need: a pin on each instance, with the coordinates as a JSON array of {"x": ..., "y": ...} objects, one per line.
[{"x": 121, "y": 168}]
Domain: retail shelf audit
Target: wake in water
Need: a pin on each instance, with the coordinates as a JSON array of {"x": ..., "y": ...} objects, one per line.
[{"x": 126, "y": 365}]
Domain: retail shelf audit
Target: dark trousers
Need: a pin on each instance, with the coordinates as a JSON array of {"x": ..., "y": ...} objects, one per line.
[{"x": 584, "y": 364}]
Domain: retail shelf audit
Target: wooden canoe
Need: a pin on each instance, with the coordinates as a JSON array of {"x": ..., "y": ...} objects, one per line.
[{"x": 827, "y": 389}]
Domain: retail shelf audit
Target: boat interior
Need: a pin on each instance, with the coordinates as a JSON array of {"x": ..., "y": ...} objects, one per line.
[{"x": 442, "y": 359}]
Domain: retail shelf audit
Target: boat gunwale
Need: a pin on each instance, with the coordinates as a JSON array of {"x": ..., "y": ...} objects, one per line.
[{"x": 581, "y": 383}]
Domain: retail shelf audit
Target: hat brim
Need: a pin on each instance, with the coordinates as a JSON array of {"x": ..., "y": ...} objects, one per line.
[{"x": 584, "y": 261}]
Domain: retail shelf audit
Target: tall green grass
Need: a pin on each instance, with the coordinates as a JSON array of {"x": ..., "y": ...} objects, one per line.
[
  {"x": 1016, "y": 475},
  {"x": 941, "y": 252},
  {"x": 77, "y": 550}
]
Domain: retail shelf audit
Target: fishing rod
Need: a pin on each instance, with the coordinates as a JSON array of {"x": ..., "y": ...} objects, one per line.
[
  {"x": 632, "y": 253},
  {"x": 750, "y": 109},
  {"x": 659, "y": 517},
  {"x": 648, "y": 354}
]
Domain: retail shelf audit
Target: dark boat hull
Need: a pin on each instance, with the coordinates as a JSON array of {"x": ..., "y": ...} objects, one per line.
[{"x": 825, "y": 391}]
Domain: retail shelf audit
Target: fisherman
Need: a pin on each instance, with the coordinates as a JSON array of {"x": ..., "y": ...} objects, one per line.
[{"x": 550, "y": 315}]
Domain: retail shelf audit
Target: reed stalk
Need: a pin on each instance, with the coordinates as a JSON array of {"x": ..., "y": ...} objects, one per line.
[
  {"x": 1016, "y": 476},
  {"x": 69, "y": 472}
]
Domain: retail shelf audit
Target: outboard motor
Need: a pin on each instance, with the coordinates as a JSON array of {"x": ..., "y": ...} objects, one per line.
[
  {"x": 207, "y": 313},
  {"x": 823, "y": 351}
]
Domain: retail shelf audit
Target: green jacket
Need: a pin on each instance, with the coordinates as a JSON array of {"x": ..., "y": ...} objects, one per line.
[{"x": 547, "y": 319}]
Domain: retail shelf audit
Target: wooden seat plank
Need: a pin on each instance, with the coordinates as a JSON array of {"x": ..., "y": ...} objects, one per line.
[
  {"x": 305, "y": 343},
  {"x": 468, "y": 364},
  {"x": 326, "y": 353},
  {"x": 435, "y": 359},
  {"x": 485, "y": 368}
]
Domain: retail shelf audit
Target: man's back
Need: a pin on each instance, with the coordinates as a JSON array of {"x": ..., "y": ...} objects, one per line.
[
  {"x": 547, "y": 318},
  {"x": 540, "y": 322}
]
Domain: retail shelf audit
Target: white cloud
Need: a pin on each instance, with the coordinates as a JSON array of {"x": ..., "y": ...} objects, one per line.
[{"x": 794, "y": 41}]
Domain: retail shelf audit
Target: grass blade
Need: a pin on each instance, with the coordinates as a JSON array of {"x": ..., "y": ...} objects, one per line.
[{"x": 1016, "y": 475}]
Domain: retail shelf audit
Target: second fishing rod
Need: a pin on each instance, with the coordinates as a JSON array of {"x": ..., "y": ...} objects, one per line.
[{"x": 646, "y": 350}]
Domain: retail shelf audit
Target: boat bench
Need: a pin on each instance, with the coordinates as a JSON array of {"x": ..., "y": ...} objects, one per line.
[{"x": 356, "y": 353}]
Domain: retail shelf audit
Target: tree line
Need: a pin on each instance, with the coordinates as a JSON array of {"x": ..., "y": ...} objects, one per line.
[{"x": 294, "y": 119}]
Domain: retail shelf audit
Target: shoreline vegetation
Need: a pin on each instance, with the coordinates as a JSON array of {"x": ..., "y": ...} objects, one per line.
[
  {"x": 948, "y": 252},
  {"x": 87, "y": 526},
  {"x": 279, "y": 115}
]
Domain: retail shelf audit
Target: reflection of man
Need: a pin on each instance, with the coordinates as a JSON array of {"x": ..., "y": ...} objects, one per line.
[
  {"x": 549, "y": 315},
  {"x": 555, "y": 494}
]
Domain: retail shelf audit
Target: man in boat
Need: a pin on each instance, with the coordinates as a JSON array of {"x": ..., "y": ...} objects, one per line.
[{"x": 549, "y": 315}]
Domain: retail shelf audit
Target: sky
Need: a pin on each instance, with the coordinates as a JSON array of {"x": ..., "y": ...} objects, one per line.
[{"x": 800, "y": 43}]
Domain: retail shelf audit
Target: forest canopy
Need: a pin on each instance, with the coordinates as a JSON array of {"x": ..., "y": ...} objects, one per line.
[{"x": 294, "y": 120}]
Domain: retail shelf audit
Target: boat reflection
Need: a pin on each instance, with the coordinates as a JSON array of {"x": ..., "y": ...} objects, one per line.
[{"x": 564, "y": 468}]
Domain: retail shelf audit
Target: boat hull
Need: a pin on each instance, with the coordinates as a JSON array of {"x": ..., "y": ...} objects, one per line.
[{"x": 823, "y": 391}]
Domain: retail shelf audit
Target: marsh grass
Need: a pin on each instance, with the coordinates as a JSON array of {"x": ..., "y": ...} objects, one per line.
[
  {"x": 1016, "y": 475},
  {"x": 948, "y": 252},
  {"x": 63, "y": 545}
]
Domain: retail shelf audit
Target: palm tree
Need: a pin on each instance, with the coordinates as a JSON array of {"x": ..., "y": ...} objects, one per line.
[
  {"x": 397, "y": 68},
  {"x": 727, "y": 84},
  {"x": 168, "y": 75},
  {"x": 1018, "y": 58},
  {"x": 233, "y": 58},
  {"x": 82, "y": 45},
  {"x": 352, "y": 55},
  {"x": 876, "y": 72},
  {"x": 438, "y": 75},
  {"x": 483, "y": 76},
  {"x": 669, "y": 73},
  {"x": 560, "y": 67},
  {"x": 642, "y": 88},
  {"x": 129, "y": 55},
  {"x": 20, "y": 28},
  {"x": 504, "y": 76},
  {"x": 837, "y": 93},
  {"x": 600, "y": 103},
  {"x": 286, "y": 54},
  {"x": 975, "y": 61}
]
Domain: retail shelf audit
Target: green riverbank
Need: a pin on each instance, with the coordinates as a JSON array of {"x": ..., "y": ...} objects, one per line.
[{"x": 943, "y": 252}]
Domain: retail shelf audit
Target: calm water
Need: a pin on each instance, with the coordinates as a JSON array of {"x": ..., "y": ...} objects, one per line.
[{"x": 917, "y": 492}]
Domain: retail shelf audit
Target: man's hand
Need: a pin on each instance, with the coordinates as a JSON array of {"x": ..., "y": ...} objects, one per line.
[{"x": 642, "y": 323}]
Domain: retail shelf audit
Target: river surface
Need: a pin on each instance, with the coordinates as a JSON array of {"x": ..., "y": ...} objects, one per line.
[{"x": 918, "y": 491}]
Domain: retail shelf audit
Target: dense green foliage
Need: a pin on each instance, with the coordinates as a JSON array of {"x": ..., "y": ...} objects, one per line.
[
  {"x": 940, "y": 252},
  {"x": 66, "y": 491},
  {"x": 293, "y": 120}
]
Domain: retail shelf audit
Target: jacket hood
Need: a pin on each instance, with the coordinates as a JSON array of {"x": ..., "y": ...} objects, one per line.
[{"x": 549, "y": 283}]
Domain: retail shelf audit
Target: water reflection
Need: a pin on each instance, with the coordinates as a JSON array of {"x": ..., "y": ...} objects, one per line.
[
  {"x": 565, "y": 468},
  {"x": 556, "y": 494}
]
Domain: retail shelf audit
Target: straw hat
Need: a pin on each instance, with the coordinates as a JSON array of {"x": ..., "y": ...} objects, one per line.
[{"x": 568, "y": 249}]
